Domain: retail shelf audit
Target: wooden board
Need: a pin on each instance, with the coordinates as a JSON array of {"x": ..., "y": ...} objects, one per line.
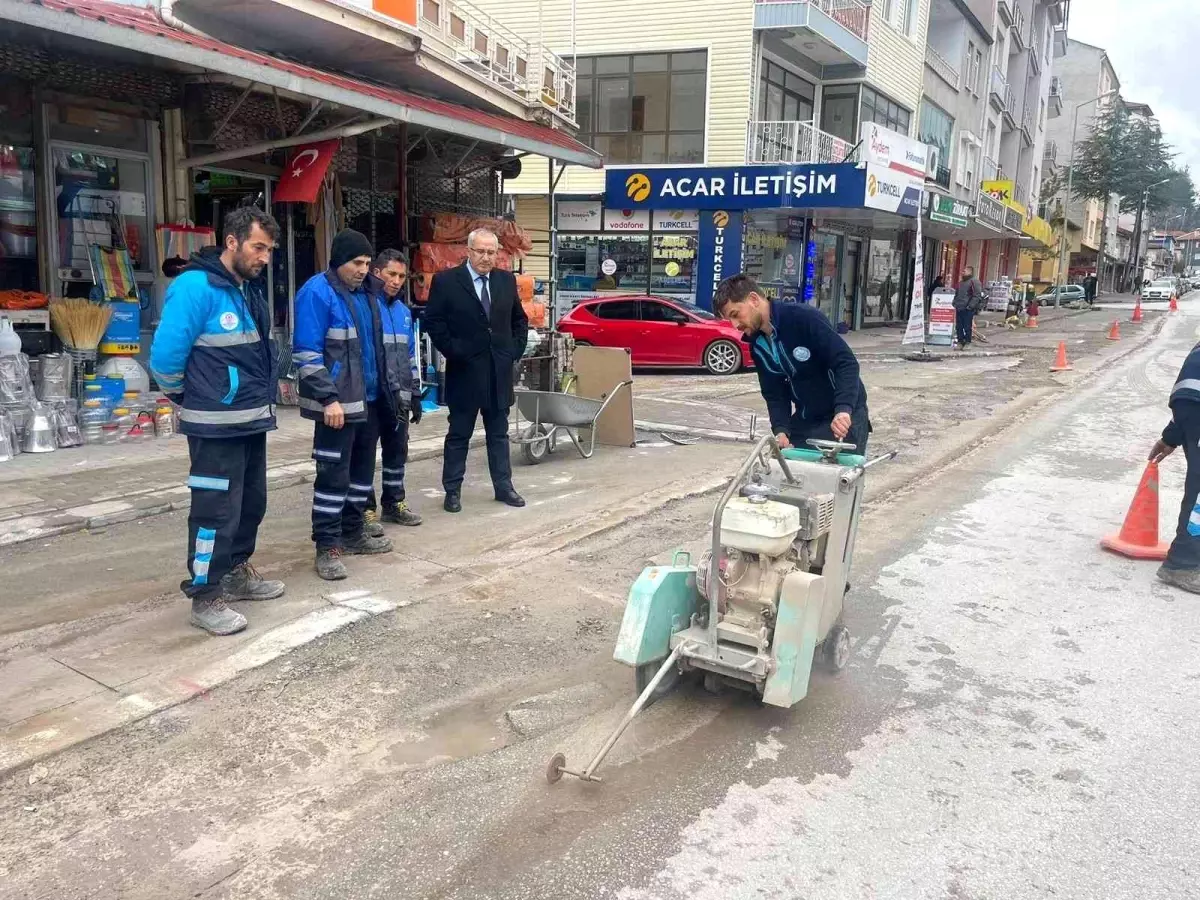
[{"x": 598, "y": 371}]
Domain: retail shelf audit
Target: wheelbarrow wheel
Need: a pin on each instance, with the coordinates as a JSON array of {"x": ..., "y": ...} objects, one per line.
[
  {"x": 536, "y": 450},
  {"x": 836, "y": 649},
  {"x": 643, "y": 674}
]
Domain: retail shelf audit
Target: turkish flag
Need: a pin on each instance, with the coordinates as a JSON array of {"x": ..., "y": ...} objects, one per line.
[{"x": 304, "y": 172}]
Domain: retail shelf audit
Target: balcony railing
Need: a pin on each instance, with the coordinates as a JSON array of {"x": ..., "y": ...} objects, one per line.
[
  {"x": 990, "y": 170},
  {"x": 853, "y": 15},
  {"x": 481, "y": 45},
  {"x": 942, "y": 68},
  {"x": 1050, "y": 153},
  {"x": 1005, "y": 10},
  {"x": 998, "y": 87},
  {"x": 942, "y": 178},
  {"x": 794, "y": 142},
  {"x": 1021, "y": 193},
  {"x": 1010, "y": 100},
  {"x": 1027, "y": 121},
  {"x": 1018, "y": 28}
]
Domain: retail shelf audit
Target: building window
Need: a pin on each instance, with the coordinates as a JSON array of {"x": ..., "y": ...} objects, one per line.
[
  {"x": 431, "y": 11},
  {"x": 974, "y": 64},
  {"x": 838, "y": 105},
  {"x": 879, "y": 109},
  {"x": 968, "y": 163},
  {"x": 646, "y": 108},
  {"x": 784, "y": 97},
  {"x": 937, "y": 128},
  {"x": 908, "y": 16}
]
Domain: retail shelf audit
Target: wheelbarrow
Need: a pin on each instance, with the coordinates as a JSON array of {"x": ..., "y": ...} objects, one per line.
[{"x": 550, "y": 412}]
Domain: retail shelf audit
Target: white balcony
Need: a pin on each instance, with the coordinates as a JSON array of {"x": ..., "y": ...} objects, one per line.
[
  {"x": 794, "y": 142},
  {"x": 1019, "y": 34},
  {"x": 482, "y": 46},
  {"x": 1060, "y": 42},
  {"x": 1005, "y": 10},
  {"x": 1027, "y": 124},
  {"x": 1050, "y": 154},
  {"x": 943, "y": 69},
  {"x": 829, "y": 32},
  {"x": 1054, "y": 102},
  {"x": 997, "y": 89}
]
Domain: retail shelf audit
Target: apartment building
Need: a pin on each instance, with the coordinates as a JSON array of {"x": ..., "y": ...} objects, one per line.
[
  {"x": 699, "y": 83},
  {"x": 987, "y": 106},
  {"x": 1088, "y": 85}
]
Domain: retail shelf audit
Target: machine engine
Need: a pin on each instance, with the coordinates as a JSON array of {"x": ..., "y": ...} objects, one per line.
[{"x": 765, "y": 535}]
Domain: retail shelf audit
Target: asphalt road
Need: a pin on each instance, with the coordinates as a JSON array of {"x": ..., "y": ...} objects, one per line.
[{"x": 1017, "y": 719}]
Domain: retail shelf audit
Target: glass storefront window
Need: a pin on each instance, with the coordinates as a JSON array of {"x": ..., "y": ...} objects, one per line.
[
  {"x": 18, "y": 217},
  {"x": 772, "y": 252},
  {"x": 101, "y": 199},
  {"x": 825, "y": 274},
  {"x": 673, "y": 265},
  {"x": 884, "y": 284},
  {"x": 583, "y": 259}
]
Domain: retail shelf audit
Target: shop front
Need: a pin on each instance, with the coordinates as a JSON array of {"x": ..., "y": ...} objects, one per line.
[
  {"x": 836, "y": 236},
  {"x": 623, "y": 251}
]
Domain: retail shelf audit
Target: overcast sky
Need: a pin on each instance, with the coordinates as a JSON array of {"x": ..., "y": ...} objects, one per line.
[{"x": 1154, "y": 45}]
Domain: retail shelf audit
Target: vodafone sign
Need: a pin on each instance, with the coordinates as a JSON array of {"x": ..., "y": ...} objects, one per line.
[{"x": 630, "y": 220}]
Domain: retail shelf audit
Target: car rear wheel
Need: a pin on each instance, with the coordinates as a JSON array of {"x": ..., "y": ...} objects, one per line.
[{"x": 722, "y": 358}]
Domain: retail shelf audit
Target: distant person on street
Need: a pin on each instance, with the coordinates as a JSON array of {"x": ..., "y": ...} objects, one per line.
[
  {"x": 475, "y": 319},
  {"x": 386, "y": 281},
  {"x": 1089, "y": 289},
  {"x": 212, "y": 355},
  {"x": 1182, "y": 565},
  {"x": 345, "y": 348},
  {"x": 807, "y": 373},
  {"x": 968, "y": 300}
]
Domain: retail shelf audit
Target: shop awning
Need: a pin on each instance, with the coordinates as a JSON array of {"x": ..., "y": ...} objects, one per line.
[{"x": 142, "y": 31}]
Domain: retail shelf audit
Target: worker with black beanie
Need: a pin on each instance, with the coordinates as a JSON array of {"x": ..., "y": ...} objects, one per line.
[{"x": 343, "y": 350}]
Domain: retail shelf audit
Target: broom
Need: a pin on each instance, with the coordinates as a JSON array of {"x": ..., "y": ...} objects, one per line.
[{"x": 79, "y": 323}]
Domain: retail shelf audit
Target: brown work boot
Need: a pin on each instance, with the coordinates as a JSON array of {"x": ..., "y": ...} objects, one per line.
[{"x": 1184, "y": 579}]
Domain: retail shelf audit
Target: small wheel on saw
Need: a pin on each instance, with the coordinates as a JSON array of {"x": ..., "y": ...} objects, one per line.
[
  {"x": 642, "y": 676},
  {"x": 554, "y": 768},
  {"x": 836, "y": 649}
]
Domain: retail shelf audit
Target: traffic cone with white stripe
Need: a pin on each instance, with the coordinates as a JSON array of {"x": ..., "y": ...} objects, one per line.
[
  {"x": 1174, "y": 304},
  {"x": 1061, "y": 364},
  {"x": 1137, "y": 312}
]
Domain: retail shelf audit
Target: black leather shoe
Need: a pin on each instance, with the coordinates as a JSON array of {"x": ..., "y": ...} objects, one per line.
[
  {"x": 453, "y": 502},
  {"x": 509, "y": 496}
]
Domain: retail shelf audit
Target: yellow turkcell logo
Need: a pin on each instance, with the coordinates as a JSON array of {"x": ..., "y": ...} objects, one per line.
[
  {"x": 637, "y": 187},
  {"x": 720, "y": 218},
  {"x": 872, "y": 185}
]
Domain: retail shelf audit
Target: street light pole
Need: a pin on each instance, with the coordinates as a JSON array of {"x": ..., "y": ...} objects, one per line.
[
  {"x": 1062, "y": 241},
  {"x": 1141, "y": 225}
]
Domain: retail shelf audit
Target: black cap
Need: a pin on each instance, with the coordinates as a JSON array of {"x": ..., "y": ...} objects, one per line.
[{"x": 347, "y": 245}]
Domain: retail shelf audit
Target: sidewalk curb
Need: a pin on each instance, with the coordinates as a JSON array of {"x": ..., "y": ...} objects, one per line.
[{"x": 97, "y": 516}]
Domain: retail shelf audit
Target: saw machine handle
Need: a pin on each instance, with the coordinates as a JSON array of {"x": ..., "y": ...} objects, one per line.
[{"x": 848, "y": 478}]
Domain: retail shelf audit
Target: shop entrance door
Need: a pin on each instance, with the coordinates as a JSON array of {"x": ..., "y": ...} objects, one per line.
[{"x": 851, "y": 266}]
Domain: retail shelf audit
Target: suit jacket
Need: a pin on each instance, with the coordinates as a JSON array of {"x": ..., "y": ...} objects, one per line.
[{"x": 480, "y": 350}]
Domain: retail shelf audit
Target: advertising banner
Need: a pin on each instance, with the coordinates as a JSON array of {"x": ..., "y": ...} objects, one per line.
[
  {"x": 627, "y": 220},
  {"x": 735, "y": 187},
  {"x": 950, "y": 211},
  {"x": 892, "y": 191},
  {"x": 990, "y": 212},
  {"x": 914, "y": 333},
  {"x": 676, "y": 219},
  {"x": 941, "y": 318},
  {"x": 577, "y": 215},
  {"x": 719, "y": 253},
  {"x": 893, "y": 150}
]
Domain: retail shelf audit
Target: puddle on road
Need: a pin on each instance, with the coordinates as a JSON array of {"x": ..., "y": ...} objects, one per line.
[{"x": 458, "y": 735}]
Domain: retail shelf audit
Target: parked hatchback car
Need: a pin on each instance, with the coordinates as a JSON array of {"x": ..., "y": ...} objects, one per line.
[
  {"x": 659, "y": 331},
  {"x": 1161, "y": 289},
  {"x": 1066, "y": 293}
]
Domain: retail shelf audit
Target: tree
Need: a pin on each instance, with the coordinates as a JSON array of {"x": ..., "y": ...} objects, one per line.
[{"x": 1104, "y": 165}]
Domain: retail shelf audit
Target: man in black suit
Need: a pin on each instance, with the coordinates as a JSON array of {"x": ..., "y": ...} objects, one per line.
[{"x": 475, "y": 320}]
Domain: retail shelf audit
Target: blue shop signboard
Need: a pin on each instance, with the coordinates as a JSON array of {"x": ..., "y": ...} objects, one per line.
[
  {"x": 718, "y": 251},
  {"x": 735, "y": 187}
]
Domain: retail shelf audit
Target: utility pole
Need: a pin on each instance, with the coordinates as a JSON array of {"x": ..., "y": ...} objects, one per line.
[{"x": 1137, "y": 230}]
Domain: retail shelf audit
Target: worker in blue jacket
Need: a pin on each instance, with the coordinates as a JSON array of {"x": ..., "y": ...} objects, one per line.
[
  {"x": 808, "y": 375},
  {"x": 345, "y": 348},
  {"x": 212, "y": 356},
  {"x": 1181, "y": 568},
  {"x": 389, "y": 272}
]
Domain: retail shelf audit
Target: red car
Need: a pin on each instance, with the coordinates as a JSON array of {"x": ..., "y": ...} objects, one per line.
[{"x": 659, "y": 332}]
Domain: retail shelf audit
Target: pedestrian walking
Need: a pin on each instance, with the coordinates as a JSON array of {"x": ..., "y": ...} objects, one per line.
[
  {"x": 1181, "y": 568},
  {"x": 389, "y": 272},
  {"x": 968, "y": 300},
  {"x": 807, "y": 373},
  {"x": 212, "y": 355},
  {"x": 475, "y": 320},
  {"x": 1089, "y": 289},
  {"x": 345, "y": 348}
]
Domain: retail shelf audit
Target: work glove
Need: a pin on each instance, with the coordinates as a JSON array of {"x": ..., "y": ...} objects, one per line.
[{"x": 416, "y": 412}]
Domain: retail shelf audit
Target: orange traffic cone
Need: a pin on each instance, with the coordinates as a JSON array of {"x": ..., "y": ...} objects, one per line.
[
  {"x": 1174, "y": 304},
  {"x": 1138, "y": 538},
  {"x": 1060, "y": 363},
  {"x": 1137, "y": 313},
  {"x": 1032, "y": 322},
  {"x": 1114, "y": 333}
]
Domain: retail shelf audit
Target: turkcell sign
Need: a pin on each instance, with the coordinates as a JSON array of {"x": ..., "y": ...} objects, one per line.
[
  {"x": 719, "y": 251},
  {"x": 730, "y": 188}
]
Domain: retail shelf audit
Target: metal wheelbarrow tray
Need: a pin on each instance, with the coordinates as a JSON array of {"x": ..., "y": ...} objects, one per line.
[{"x": 550, "y": 412}]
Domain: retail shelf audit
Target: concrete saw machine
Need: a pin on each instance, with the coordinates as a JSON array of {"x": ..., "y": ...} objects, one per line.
[{"x": 765, "y": 602}]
